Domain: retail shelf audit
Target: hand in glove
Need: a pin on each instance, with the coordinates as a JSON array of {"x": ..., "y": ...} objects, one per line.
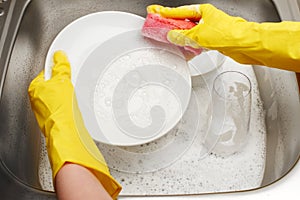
[
  {"x": 270, "y": 44},
  {"x": 55, "y": 107}
]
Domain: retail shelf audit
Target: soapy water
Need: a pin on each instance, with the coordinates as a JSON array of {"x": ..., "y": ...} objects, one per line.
[
  {"x": 161, "y": 153},
  {"x": 142, "y": 92},
  {"x": 145, "y": 93},
  {"x": 139, "y": 96},
  {"x": 136, "y": 94},
  {"x": 152, "y": 157}
]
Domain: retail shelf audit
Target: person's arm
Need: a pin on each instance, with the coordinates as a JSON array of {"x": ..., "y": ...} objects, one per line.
[
  {"x": 271, "y": 44},
  {"x": 57, "y": 113},
  {"x": 74, "y": 182}
]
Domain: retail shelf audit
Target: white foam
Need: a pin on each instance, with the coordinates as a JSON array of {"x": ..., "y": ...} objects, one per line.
[{"x": 189, "y": 174}]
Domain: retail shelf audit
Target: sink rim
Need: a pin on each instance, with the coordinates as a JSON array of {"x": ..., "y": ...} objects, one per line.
[{"x": 230, "y": 192}]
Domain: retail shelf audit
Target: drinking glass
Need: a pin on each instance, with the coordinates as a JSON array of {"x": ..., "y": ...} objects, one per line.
[{"x": 231, "y": 112}]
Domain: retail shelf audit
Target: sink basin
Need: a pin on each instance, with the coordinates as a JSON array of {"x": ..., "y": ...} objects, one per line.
[{"x": 28, "y": 29}]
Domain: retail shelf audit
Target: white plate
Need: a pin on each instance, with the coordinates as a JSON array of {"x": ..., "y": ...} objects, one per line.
[
  {"x": 132, "y": 90},
  {"x": 154, "y": 107},
  {"x": 84, "y": 34}
]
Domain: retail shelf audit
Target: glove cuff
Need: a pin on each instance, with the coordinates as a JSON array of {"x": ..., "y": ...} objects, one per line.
[{"x": 271, "y": 44}]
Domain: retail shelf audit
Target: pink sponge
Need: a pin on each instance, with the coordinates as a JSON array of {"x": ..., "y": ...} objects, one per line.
[{"x": 157, "y": 27}]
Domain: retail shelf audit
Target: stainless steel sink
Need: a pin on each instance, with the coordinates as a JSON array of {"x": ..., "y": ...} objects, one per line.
[{"x": 25, "y": 38}]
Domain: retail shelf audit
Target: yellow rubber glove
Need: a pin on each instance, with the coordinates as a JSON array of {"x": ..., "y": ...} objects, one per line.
[
  {"x": 270, "y": 44},
  {"x": 55, "y": 107}
]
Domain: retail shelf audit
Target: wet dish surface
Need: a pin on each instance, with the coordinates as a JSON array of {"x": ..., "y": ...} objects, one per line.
[
  {"x": 132, "y": 89},
  {"x": 160, "y": 105}
]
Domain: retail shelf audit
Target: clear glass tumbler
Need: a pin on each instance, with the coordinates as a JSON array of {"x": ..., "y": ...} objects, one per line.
[{"x": 231, "y": 104}]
